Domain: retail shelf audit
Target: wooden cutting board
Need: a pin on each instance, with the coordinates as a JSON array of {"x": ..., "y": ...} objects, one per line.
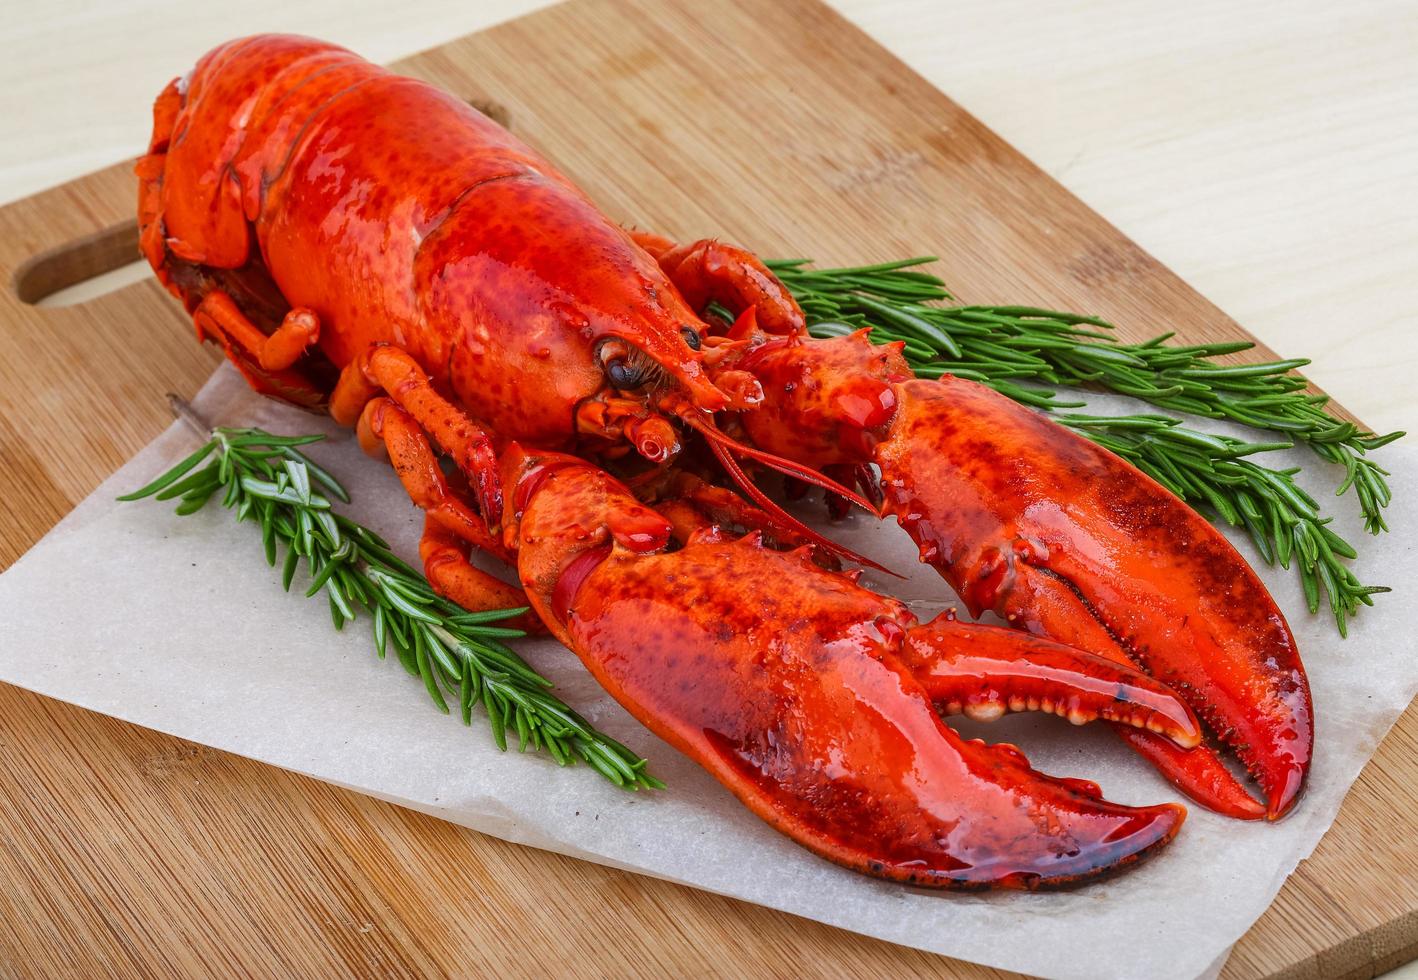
[{"x": 779, "y": 126}]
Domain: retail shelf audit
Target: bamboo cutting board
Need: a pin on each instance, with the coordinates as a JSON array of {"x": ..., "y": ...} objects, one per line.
[{"x": 779, "y": 126}]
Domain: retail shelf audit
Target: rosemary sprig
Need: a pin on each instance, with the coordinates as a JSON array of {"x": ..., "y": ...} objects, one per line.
[
  {"x": 1027, "y": 353},
  {"x": 459, "y": 655}
]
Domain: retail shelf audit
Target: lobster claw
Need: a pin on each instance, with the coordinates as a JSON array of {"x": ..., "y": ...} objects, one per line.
[
  {"x": 1061, "y": 538},
  {"x": 984, "y": 671},
  {"x": 804, "y": 699},
  {"x": 1071, "y": 542}
]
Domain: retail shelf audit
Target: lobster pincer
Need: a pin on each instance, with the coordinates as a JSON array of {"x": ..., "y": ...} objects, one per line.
[
  {"x": 1060, "y": 538},
  {"x": 814, "y": 702}
]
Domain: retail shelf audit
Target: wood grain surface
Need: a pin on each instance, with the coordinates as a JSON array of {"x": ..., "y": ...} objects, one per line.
[{"x": 130, "y": 852}]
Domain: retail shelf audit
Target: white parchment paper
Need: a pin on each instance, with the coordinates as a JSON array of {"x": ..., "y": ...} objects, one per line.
[{"x": 178, "y": 625}]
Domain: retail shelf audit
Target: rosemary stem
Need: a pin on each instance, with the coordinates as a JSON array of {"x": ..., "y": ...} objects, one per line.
[
  {"x": 184, "y": 412},
  {"x": 266, "y": 479},
  {"x": 1028, "y": 353}
]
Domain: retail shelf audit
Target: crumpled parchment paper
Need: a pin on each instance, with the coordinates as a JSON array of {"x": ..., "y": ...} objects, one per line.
[{"x": 177, "y": 624}]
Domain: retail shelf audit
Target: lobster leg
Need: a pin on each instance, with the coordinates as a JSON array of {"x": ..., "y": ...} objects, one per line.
[
  {"x": 450, "y": 524},
  {"x": 218, "y": 316},
  {"x": 453, "y": 576},
  {"x": 384, "y": 368},
  {"x": 788, "y": 683},
  {"x": 687, "y": 521},
  {"x": 383, "y": 425},
  {"x": 709, "y": 270},
  {"x": 266, "y": 361},
  {"x": 722, "y": 506}
]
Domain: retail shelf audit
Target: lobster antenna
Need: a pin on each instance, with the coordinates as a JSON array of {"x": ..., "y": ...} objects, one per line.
[
  {"x": 723, "y": 448},
  {"x": 785, "y": 466}
]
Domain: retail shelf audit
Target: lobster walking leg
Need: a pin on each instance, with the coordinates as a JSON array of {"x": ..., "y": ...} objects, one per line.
[
  {"x": 687, "y": 521},
  {"x": 267, "y": 362},
  {"x": 722, "y": 506},
  {"x": 453, "y": 576},
  {"x": 450, "y": 524},
  {"x": 385, "y": 368},
  {"x": 384, "y": 425},
  {"x": 218, "y": 317}
]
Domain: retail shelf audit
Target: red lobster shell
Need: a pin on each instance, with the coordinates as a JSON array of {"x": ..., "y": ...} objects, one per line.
[{"x": 366, "y": 243}]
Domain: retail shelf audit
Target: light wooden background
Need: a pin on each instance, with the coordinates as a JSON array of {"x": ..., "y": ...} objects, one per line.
[{"x": 1267, "y": 152}]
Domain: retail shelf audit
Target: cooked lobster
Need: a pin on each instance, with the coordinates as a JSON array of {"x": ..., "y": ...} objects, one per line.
[{"x": 364, "y": 243}]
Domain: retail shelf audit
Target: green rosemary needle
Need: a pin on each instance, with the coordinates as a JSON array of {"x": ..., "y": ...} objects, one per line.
[
  {"x": 458, "y": 655},
  {"x": 1028, "y": 353}
]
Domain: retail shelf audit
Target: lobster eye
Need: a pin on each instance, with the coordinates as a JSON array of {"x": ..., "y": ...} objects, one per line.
[
  {"x": 624, "y": 366},
  {"x": 691, "y": 337},
  {"x": 621, "y": 374}
]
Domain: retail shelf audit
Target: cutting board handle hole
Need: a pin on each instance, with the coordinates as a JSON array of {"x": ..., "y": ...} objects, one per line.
[
  {"x": 82, "y": 270},
  {"x": 493, "y": 109}
]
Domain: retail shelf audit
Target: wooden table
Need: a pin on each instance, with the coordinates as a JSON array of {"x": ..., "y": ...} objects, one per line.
[{"x": 126, "y": 848}]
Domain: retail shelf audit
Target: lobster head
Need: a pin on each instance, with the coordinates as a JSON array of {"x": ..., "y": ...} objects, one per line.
[{"x": 662, "y": 370}]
